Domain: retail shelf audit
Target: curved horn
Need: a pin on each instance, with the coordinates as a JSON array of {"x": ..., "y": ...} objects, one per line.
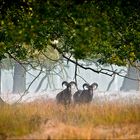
[
  {"x": 64, "y": 83},
  {"x": 85, "y": 85},
  {"x": 94, "y": 85},
  {"x": 72, "y": 82}
]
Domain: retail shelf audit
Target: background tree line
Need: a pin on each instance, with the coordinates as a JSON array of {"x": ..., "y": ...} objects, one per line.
[{"x": 105, "y": 31}]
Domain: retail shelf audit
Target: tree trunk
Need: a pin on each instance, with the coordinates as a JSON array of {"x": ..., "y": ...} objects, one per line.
[
  {"x": 1, "y": 101},
  {"x": 129, "y": 84},
  {"x": 110, "y": 83},
  {"x": 41, "y": 82},
  {"x": 0, "y": 78},
  {"x": 19, "y": 79}
]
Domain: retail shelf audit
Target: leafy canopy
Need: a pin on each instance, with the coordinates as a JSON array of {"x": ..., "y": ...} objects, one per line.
[{"x": 106, "y": 30}]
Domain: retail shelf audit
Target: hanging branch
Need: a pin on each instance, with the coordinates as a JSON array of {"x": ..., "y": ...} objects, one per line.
[
  {"x": 110, "y": 83},
  {"x": 40, "y": 83},
  {"x": 88, "y": 68},
  {"x": 75, "y": 74},
  {"x": 26, "y": 91},
  {"x": 82, "y": 78},
  {"x": 101, "y": 70}
]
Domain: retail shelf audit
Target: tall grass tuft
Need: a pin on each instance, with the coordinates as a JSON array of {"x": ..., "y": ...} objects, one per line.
[
  {"x": 18, "y": 120},
  {"x": 42, "y": 119}
]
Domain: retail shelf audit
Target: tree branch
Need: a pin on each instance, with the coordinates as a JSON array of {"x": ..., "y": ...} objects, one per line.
[
  {"x": 101, "y": 70},
  {"x": 88, "y": 68},
  {"x": 75, "y": 74},
  {"x": 25, "y": 92}
]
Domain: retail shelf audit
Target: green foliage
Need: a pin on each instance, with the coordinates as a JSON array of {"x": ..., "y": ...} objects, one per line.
[{"x": 107, "y": 30}]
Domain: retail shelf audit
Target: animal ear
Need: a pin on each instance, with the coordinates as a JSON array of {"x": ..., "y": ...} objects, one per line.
[
  {"x": 94, "y": 85},
  {"x": 64, "y": 83},
  {"x": 85, "y": 85}
]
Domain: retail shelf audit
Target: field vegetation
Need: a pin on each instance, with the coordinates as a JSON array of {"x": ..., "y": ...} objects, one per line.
[{"x": 48, "y": 120}]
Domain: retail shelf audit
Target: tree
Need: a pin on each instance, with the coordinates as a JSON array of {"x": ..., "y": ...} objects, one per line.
[
  {"x": 106, "y": 30},
  {"x": 19, "y": 79},
  {"x": 132, "y": 82},
  {"x": 0, "y": 77}
]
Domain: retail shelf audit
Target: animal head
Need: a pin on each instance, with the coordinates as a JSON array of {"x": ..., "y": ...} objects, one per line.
[
  {"x": 90, "y": 87},
  {"x": 68, "y": 85},
  {"x": 73, "y": 83}
]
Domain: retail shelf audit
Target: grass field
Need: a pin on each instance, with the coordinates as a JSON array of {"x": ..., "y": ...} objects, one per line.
[{"x": 41, "y": 119}]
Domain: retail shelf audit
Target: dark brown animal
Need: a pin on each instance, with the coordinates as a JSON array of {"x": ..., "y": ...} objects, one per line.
[
  {"x": 85, "y": 95},
  {"x": 64, "y": 97}
]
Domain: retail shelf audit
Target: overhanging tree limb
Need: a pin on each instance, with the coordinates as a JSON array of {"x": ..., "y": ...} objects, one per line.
[{"x": 89, "y": 68}]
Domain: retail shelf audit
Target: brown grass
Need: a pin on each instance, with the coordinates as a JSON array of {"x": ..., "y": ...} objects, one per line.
[{"x": 42, "y": 119}]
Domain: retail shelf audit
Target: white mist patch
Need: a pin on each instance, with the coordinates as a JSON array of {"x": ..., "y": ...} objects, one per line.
[
  {"x": 123, "y": 97},
  {"x": 98, "y": 97}
]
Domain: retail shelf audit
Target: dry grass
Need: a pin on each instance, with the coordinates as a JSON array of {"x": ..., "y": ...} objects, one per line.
[{"x": 42, "y": 119}]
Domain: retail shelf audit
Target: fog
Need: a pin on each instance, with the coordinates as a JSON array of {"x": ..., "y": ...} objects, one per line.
[
  {"x": 132, "y": 97},
  {"x": 54, "y": 81},
  {"x": 52, "y": 85}
]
